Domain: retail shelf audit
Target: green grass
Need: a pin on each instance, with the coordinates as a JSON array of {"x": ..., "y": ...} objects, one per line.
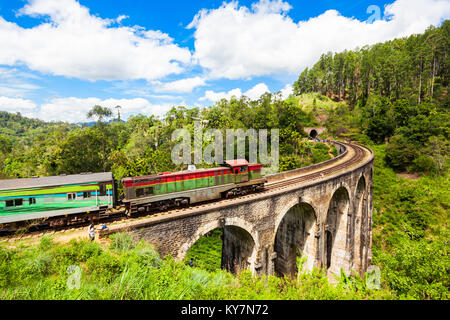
[
  {"x": 410, "y": 232},
  {"x": 130, "y": 270},
  {"x": 206, "y": 253},
  {"x": 322, "y": 103}
]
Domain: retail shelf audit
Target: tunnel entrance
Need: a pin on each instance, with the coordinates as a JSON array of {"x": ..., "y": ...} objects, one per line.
[
  {"x": 313, "y": 134},
  {"x": 294, "y": 240},
  {"x": 229, "y": 248}
]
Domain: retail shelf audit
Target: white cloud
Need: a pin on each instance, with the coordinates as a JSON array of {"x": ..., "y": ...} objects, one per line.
[
  {"x": 14, "y": 83},
  {"x": 236, "y": 42},
  {"x": 216, "y": 96},
  {"x": 253, "y": 93},
  {"x": 181, "y": 86},
  {"x": 75, "y": 109},
  {"x": 25, "y": 107},
  {"x": 74, "y": 43},
  {"x": 256, "y": 92},
  {"x": 286, "y": 91}
]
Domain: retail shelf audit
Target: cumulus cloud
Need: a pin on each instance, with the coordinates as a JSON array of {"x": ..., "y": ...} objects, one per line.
[
  {"x": 75, "y": 43},
  {"x": 237, "y": 42},
  {"x": 253, "y": 93},
  {"x": 181, "y": 86},
  {"x": 75, "y": 109},
  {"x": 286, "y": 91},
  {"x": 24, "y": 106}
]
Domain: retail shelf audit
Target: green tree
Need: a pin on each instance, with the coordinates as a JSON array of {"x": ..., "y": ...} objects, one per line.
[{"x": 101, "y": 113}]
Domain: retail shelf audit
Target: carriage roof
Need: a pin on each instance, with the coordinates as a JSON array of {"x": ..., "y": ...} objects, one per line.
[{"x": 52, "y": 181}]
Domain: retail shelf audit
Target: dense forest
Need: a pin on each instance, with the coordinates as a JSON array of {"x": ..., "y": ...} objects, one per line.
[
  {"x": 416, "y": 67},
  {"x": 397, "y": 92},
  {"x": 392, "y": 97}
]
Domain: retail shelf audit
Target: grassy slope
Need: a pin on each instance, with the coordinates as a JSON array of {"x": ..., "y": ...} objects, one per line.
[{"x": 126, "y": 270}]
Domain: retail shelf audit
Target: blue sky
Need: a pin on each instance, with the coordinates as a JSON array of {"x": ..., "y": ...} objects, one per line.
[{"x": 58, "y": 58}]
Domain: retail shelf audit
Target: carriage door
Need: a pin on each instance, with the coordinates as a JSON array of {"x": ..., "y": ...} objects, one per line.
[
  {"x": 237, "y": 176},
  {"x": 244, "y": 173}
]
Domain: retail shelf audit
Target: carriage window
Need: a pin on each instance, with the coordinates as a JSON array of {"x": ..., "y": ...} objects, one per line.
[
  {"x": 102, "y": 190},
  {"x": 85, "y": 194},
  {"x": 71, "y": 196},
  {"x": 148, "y": 191},
  {"x": 244, "y": 169},
  {"x": 32, "y": 201},
  {"x": 18, "y": 202},
  {"x": 144, "y": 192},
  {"x": 236, "y": 171},
  {"x": 9, "y": 203}
]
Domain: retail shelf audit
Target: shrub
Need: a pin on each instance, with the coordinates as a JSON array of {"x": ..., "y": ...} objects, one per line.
[
  {"x": 122, "y": 242},
  {"x": 104, "y": 267}
]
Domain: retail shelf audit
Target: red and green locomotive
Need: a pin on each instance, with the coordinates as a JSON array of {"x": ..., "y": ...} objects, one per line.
[{"x": 234, "y": 177}]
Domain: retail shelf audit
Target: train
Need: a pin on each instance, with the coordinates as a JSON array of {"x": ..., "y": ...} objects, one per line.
[{"x": 65, "y": 200}]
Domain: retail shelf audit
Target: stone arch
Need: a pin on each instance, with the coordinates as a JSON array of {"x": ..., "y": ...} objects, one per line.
[
  {"x": 336, "y": 241},
  {"x": 295, "y": 234},
  {"x": 239, "y": 243},
  {"x": 359, "y": 223}
]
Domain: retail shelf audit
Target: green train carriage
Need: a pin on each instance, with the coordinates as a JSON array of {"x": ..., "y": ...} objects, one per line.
[{"x": 59, "y": 199}]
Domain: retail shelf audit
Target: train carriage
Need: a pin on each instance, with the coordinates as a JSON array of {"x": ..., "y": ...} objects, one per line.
[
  {"x": 191, "y": 186},
  {"x": 58, "y": 199}
]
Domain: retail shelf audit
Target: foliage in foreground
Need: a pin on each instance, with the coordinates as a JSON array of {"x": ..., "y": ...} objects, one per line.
[
  {"x": 410, "y": 232},
  {"x": 129, "y": 270}
]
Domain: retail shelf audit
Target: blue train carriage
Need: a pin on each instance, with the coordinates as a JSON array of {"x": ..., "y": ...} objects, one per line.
[{"x": 57, "y": 200}]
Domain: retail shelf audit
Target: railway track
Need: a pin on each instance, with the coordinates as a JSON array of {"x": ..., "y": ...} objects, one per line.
[
  {"x": 355, "y": 155},
  {"x": 359, "y": 154}
]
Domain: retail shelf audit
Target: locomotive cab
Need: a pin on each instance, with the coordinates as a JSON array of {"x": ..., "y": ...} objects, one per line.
[{"x": 239, "y": 169}]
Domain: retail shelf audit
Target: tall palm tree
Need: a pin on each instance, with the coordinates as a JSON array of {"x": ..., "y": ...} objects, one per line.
[
  {"x": 101, "y": 113},
  {"x": 118, "y": 112}
]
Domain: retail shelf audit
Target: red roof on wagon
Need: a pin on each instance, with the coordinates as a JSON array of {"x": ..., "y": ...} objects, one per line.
[{"x": 237, "y": 162}]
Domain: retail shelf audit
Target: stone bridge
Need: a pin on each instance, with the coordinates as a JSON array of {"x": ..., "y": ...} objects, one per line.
[{"x": 322, "y": 212}]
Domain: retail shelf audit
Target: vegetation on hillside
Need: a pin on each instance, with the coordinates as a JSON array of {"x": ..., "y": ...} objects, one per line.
[{"x": 397, "y": 92}]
